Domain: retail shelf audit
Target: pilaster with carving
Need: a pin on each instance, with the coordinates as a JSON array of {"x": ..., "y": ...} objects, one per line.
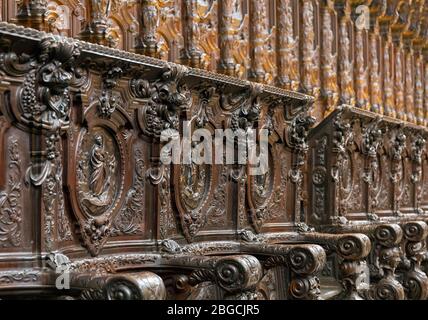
[
  {"x": 297, "y": 139},
  {"x": 42, "y": 106}
]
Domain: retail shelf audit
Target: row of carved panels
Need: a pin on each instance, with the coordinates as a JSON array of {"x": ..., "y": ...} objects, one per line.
[
  {"x": 364, "y": 167},
  {"x": 93, "y": 129},
  {"x": 322, "y": 50}
]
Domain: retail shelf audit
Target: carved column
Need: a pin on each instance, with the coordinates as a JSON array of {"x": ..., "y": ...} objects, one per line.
[
  {"x": 233, "y": 40},
  {"x": 261, "y": 64},
  {"x": 165, "y": 101},
  {"x": 388, "y": 80},
  {"x": 415, "y": 280},
  {"x": 287, "y": 47},
  {"x": 418, "y": 148},
  {"x": 375, "y": 85},
  {"x": 426, "y": 91},
  {"x": 328, "y": 61},
  {"x": 310, "y": 50},
  {"x": 419, "y": 89},
  {"x": 361, "y": 68},
  {"x": 371, "y": 143},
  {"x": 149, "y": 22},
  {"x": 409, "y": 86},
  {"x": 97, "y": 29},
  {"x": 399, "y": 81},
  {"x": 346, "y": 80},
  {"x": 199, "y": 27},
  {"x": 31, "y": 13}
]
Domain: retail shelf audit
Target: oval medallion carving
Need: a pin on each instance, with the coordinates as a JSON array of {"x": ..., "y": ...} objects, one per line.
[
  {"x": 192, "y": 184},
  {"x": 194, "y": 181},
  {"x": 98, "y": 171}
]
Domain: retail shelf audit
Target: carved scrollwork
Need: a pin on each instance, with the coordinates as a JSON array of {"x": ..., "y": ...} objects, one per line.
[
  {"x": 234, "y": 274},
  {"x": 304, "y": 263},
  {"x": 128, "y": 286},
  {"x": 388, "y": 256},
  {"x": 415, "y": 280}
]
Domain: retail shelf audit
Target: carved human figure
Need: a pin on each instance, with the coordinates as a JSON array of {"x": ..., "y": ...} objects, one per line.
[
  {"x": 99, "y": 179},
  {"x": 101, "y": 9}
]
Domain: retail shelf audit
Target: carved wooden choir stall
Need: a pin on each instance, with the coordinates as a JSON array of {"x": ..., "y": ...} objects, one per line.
[{"x": 88, "y": 209}]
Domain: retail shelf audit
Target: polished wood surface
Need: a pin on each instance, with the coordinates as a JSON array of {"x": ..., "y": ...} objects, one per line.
[{"x": 87, "y": 88}]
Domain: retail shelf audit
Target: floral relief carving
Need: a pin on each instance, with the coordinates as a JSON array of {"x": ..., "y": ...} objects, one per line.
[{"x": 10, "y": 199}]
